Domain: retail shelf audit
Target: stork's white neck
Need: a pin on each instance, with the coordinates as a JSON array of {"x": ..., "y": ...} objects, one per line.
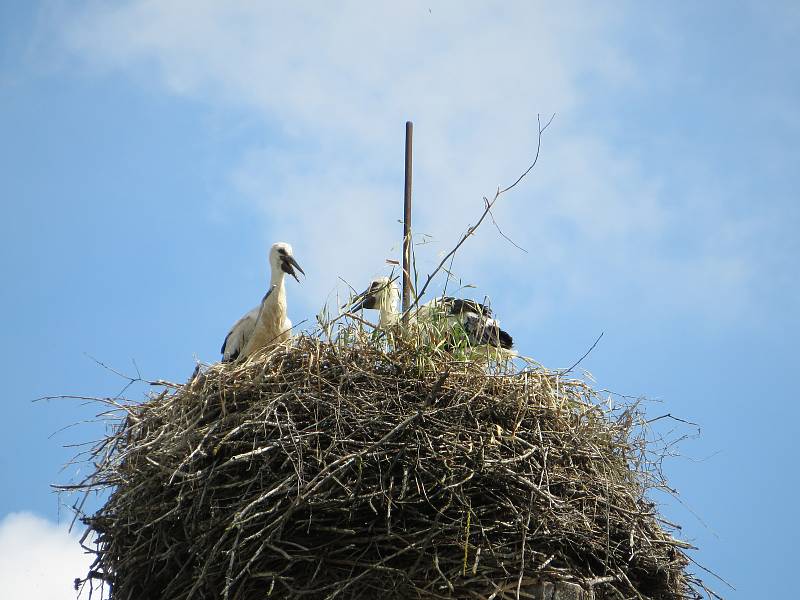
[
  {"x": 278, "y": 294},
  {"x": 389, "y": 313},
  {"x": 276, "y": 277}
]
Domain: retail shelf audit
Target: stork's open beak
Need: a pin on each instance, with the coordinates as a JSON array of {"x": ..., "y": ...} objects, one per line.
[{"x": 288, "y": 265}]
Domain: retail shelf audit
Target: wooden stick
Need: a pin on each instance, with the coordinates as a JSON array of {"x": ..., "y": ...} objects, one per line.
[{"x": 407, "y": 224}]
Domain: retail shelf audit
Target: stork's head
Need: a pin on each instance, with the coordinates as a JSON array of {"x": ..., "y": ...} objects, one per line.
[
  {"x": 382, "y": 294},
  {"x": 281, "y": 258}
]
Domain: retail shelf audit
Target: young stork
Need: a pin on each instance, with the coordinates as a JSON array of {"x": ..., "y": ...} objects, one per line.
[
  {"x": 474, "y": 318},
  {"x": 267, "y": 324}
]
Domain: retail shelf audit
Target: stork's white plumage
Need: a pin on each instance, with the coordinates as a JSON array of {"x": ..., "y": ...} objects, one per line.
[
  {"x": 473, "y": 318},
  {"x": 267, "y": 324}
]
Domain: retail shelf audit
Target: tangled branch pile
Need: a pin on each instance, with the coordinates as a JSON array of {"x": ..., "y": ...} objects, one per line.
[{"x": 347, "y": 470}]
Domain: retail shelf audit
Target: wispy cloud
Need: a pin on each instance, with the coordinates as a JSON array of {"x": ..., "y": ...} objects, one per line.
[
  {"x": 337, "y": 84},
  {"x": 39, "y": 560}
]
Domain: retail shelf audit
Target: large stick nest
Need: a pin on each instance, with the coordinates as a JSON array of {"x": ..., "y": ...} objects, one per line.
[{"x": 350, "y": 470}]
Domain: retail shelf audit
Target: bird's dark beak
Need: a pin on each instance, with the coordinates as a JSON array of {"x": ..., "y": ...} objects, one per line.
[
  {"x": 288, "y": 265},
  {"x": 363, "y": 300},
  {"x": 358, "y": 302}
]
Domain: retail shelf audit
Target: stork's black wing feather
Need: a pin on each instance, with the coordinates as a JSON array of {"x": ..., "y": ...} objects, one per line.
[
  {"x": 234, "y": 355},
  {"x": 225, "y": 343},
  {"x": 460, "y": 306},
  {"x": 506, "y": 341},
  {"x": 485, "y": 331}
]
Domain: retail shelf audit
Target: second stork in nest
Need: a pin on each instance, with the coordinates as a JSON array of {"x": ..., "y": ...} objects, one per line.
[{"x": 473, "y": 318}]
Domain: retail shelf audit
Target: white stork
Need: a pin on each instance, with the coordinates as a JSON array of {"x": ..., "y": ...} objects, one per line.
[
  {"x": 267, "y": 324},
  {"x": 474, "y": 318}
]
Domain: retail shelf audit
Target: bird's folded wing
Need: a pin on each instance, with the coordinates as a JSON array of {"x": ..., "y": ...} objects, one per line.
[
  {"x": 482, "y": 330},
  {"x": 460, "y": 306},
  {"x": 238, "y": 335}
]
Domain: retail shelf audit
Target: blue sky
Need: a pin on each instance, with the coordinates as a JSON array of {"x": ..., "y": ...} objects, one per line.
[{"x": 151, "y": 151}]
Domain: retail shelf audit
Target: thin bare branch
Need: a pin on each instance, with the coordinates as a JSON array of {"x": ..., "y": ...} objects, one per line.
[
  {"x": 585, "y": 354},
  {"x": 488, "y": 207}
]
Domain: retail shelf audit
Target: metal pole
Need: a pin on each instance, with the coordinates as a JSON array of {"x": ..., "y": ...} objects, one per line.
[{"x": 407, "y": 223}]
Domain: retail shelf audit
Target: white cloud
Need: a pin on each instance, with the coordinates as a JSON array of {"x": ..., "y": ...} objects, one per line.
[
  {"x": 39, "y": 560},
  {"x": 339, "y": 80}
]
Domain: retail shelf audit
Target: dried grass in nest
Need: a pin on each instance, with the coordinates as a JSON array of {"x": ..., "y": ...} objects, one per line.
[{"x": 346, "y": 470}]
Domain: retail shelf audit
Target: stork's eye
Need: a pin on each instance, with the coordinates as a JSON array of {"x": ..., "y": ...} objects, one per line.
[{"x": 282, "y": 251}]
